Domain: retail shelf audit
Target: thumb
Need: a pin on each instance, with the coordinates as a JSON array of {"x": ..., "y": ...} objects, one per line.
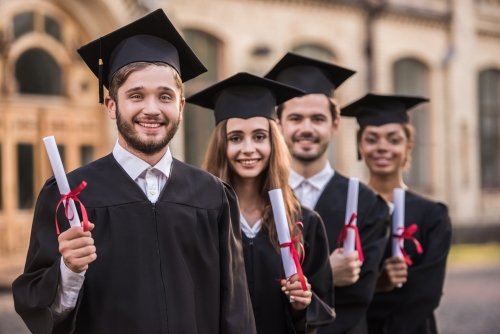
[{"x": 91, "y": 226}]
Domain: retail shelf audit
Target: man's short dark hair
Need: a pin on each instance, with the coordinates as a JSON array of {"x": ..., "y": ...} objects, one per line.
[{"x": 334, "y": 109}]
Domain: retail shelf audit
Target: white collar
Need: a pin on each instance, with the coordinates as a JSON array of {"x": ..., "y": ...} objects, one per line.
[
  {"x": 135, "y": 166},
  {"x": 318, "y": 180},
  {"x": 250, "y": 232}
]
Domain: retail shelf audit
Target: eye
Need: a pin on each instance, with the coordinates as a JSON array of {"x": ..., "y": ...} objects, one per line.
[
  {"x": 294, "y": 119},
  {"x": 395, "y": 141},
  {"x": 371, "y": 140},
  {"x": 135, "y": 96},
  {"x": 318, "y": 119},
  {"x": 165, "y": 97},
  {"x": 260, "y": 137},
  {"x": 234, "y": 139}
]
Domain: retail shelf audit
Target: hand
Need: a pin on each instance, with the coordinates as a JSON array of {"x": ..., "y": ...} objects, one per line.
[
  {"x": 293, "y": 289},
  {"x": 394, "y": 272},
  {"x": 77, "y": 248},
  {"x": 345, "y": 268}
]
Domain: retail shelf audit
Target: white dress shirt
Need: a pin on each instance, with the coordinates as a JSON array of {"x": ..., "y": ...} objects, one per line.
[
  {"x": 252, "y": 231},
  {"x": 309, "y": 190},
  {"x": 151, "y": 180}
]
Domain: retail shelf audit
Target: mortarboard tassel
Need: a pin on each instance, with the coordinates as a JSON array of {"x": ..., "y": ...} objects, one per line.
[
  {"x": 359, "y": 156},
  {"x": 101, "y": 90}
]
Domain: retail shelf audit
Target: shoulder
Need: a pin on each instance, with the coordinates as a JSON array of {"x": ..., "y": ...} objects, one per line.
[
  {"x": 432, "y": 208},
  {"x": 311, "y": 219}
]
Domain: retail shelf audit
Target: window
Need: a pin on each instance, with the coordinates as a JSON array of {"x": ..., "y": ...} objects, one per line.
[
  {"x": 86, "y": 154},
  {"x": 314, "y": 51},
  {"x": 52, "y": 27},
  {"x": 23, "y": 24},
  {"x": 38, "y": 73},
  {"x": 198, "y": 122},
  {"x": 410, "y": 78},
  {"x": 489, "y": 127},
  {"x": 25, "y": 176}
]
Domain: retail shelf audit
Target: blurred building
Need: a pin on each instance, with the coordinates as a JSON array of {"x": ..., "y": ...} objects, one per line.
[{"x": 447, "y": 50}]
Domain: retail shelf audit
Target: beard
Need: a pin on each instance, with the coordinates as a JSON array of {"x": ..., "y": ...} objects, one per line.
[
  {"x": 147, "y": 147},
  {"x": 308, "y": 157}
]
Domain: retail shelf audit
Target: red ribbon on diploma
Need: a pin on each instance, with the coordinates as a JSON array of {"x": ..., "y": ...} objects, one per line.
[
  {"x": 296, "y": 257},
  {"x": 407, "y": 233},
  {"x": 343, "y": 236},
  {"x": 73, "y": 195}
]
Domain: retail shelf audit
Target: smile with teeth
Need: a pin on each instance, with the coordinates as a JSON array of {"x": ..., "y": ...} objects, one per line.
[
  {"x": 249, "y": 162},
  {"x": 150, "y": 125}
]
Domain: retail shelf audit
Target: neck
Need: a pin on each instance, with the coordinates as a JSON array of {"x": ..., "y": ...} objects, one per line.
[
  {"x": 247, "y": 191},
  {"x": 384, "y": 184},
  {"x": 307, "y": 169},
  {"x": 150, "y": 159}
]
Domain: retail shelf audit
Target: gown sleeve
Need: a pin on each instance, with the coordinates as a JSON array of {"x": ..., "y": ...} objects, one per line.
[
  {"x": 35, "y": 290},
  {"x": 352, "y": 301},
  {"x": 236, "y": 315},
  {"x": 316, "y": 268},
  {"x": 421, "y": 294}
]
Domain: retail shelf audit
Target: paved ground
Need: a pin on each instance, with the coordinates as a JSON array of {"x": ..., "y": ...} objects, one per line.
[{"x": 471, "y": 304}]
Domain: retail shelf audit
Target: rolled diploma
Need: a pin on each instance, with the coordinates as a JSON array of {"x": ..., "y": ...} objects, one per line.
[
  {"x": 351, "y": 207},
  {"x": 60, "y": 176},
  {"x": 398, "y": 222},
  {"x": 283, "y": 231}
]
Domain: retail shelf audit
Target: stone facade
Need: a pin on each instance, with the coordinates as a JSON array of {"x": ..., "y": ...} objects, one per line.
[{"x": 453, "y": 40}]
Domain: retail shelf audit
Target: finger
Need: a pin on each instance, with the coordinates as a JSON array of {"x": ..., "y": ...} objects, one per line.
[
  {"x": 283, "y": 282},
  {"x": 303, "y": 300},
  {"x": 91, "y": 226},
  {"x": 83, "y": 252},
  {"x": 294, "y": 278},
  {"x": 300, "y": 293},
  {"x": 354, "y": 256},
  {"x": 294, "y": 286},
  {"x": 78, "y": 243},
  {"x": 73, "y": 233}
]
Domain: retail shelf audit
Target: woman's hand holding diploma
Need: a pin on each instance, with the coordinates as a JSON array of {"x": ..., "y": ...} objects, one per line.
[
  {"x": 293, "y": 289},
  {"x": 394, "y": 272},
  {"x": 77, "y": 248}
]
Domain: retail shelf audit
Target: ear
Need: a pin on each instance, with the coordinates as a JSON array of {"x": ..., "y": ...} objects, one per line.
[
  {"x": 111, "y": 107},
  {"x": 280, "y": 127},
  {"x": 335, "y": 126},
  {"x": 181, "y": 108}
]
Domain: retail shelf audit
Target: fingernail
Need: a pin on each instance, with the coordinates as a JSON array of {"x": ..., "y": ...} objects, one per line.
[
  {"x": 283, "y": 288},
  {"x": 288, "y": 282},
  {"x": 287, "y": 292},
  {"x": 292, "y": 297}
]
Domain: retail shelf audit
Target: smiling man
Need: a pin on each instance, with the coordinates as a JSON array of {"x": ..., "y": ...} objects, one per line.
[
  {"x": 308, "y": 123},
  {"x": 167, "y": 234}
]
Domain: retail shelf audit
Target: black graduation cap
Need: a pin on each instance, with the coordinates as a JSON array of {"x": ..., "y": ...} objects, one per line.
[
  {"x": 244, "y": 96},
  {"x": 311, "y": 75},
  {"x": 151, "y": 38},
  {"x": 373, "y": 109}
]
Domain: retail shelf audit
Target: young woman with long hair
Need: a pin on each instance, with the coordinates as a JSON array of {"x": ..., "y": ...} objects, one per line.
[
  {"x": 408, "y": 288},
  {"x": 247, "y": 152}
]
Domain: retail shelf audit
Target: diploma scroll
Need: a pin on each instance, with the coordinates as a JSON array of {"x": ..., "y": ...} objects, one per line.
[
  {"x": 60, "y": 176},
  {"x": 283, "y": 231},
  {"x": 351, "y": 208},
  {"x": 398, "y": 223}
]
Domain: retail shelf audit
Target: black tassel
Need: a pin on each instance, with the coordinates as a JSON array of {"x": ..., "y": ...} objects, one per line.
[
  {"x": 101, "y": 90},
  {"x": 359, "y": 156}
]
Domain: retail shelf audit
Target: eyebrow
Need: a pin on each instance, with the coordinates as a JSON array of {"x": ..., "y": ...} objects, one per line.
[
  {"x": 300, "y": 115},
  {"x": 138, "y": 88}
]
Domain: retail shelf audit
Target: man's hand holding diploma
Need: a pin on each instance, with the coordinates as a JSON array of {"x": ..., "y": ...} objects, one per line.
[{"x": 77, "y": 248}]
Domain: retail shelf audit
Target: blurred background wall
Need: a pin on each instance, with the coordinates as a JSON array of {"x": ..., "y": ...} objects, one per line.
[{"x": 447, "y": 50}]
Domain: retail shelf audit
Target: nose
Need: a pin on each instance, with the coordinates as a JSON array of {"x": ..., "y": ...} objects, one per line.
[
  {"x": 248, "y": 147},
  {"x": 382, "y": 146},
  {"x": 151, "y": 108},
  {"x": 306, "y": 126}
]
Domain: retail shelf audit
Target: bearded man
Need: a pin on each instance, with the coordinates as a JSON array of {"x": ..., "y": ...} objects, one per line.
[{"x": 167, "y": 234}]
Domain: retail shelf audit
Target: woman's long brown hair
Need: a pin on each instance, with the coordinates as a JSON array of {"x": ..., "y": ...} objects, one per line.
[{"x": 273, "y": 177}]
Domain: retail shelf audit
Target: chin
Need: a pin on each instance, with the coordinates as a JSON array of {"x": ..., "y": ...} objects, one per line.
[{"x": 248, "y": 174}]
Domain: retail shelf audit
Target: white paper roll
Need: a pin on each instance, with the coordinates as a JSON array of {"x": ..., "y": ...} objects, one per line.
[
  {"x": 283, "y": 231},
  {"x": 398, "y": 222},
  {"x": 60, "y": 176},
  {"x": 351, "y": 207}
]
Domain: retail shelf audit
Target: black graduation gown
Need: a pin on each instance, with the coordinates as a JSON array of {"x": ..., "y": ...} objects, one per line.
[
  {"x": 264, "y": 270},
  {"x": 351, "y": 302},
  {"x": 409, "y": 309},
  {"x": 173, "y": 267}
]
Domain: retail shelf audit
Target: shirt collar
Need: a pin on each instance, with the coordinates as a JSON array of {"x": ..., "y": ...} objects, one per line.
[
  {"x": 318, "y": 180},
  {"x": 250, "y": 232},
  {"x": 135, "y": 166}
]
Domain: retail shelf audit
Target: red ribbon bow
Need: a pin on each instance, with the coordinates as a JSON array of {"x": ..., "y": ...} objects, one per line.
[
  {"x": 296, "y": 257},
  {"x": 72, "y": 195},
  {"x": 407, "y": 233},
  {"x": 343, "y": 236}
]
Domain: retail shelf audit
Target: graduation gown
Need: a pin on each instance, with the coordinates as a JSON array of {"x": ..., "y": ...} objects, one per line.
[
  {"x": 409, "y": 309},
  {"x": 264, "y": 270},
  {"x": 175, "y": 266},
  {"x": 351, "y": 302}
]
